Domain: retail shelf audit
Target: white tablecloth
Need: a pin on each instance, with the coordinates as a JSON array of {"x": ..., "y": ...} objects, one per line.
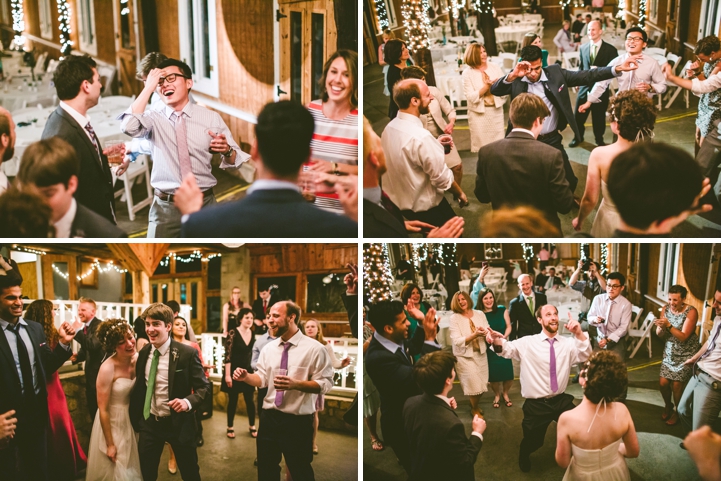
[
  {"x": 440, "y": 51},
  {"x": 508, "y": 33},
  {"x": 17, "y": 93},
  {"x": 563, "y": 295}
]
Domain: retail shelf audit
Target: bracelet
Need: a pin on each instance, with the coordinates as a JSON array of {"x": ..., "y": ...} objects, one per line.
[
  {"x": 228, "y": 153},
  {"x": 335, "y": 168}
]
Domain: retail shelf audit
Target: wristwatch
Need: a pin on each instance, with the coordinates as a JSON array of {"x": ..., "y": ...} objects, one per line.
[{"x": 228, "y": 153}]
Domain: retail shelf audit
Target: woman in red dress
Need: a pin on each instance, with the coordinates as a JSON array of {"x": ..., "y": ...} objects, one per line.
[{"x": 65, "y": 455}]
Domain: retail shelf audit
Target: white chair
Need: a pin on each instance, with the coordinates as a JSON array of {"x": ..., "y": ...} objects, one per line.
[
  {"x": 508, "y": 60},
  {"x": 40, "y": 63},
  {"x": 637, "y": 311},
  {"x": 471, "y": 22},
  {"x": 502, "y": 21},
  {"x": 52, "y": 65},
  {"x": 673, "y": 60},
  {"x": 655, "y": 51},
  {"x": 454, "y": 88},
  {"x": 643, "y": 334},
  {"x": 107, "y": 75},
  {"x": 672, "y": 90},
  {"x": 571, "y": 60},
  {"x": 136, "y": 169}
]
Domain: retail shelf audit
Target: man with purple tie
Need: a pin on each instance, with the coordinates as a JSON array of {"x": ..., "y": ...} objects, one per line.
[
  {"x": 295, "y": 369},
  {"x": 546, "y": 360}
]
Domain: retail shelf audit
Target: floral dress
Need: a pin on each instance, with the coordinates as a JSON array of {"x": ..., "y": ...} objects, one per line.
[
  {"x": 675, "y": 352},
  {"x": 709, "y": 105}
]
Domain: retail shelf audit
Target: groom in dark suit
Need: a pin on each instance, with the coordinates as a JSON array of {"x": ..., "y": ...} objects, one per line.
[
  {"x": 552, "y": 84},
  {"x": 90, "y": 350},
  {"x": 168, "y": 388},
  {"x": 522, "y": 309},
  {"x": 26, "y": 362},
  {"x": 78, "y": 87}
]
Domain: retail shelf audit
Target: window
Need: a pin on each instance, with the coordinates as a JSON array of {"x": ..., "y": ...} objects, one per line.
[
  {"x": 125, "y": 25},
  {"x": 317, "y": 52},
  {"x": 46, "y": 19},
  {"x": 709, "y": 12},
  {"x": 493, "y": 251},
  {"x": 296, "y": 56},
  {"x": 86, "y": 27},
  {"x": 391, "y": 12},
  {"x": 667, "y": 269},
  {"x": 199, "y": 44},
  {"x": 324, "y": 292},
  {"x": 653, "y": 10}
]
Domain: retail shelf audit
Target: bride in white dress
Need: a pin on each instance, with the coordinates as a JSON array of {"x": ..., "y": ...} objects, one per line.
[
  {"x": 632, "y": 116},
  {"x": 113, "y": 451},
  {"x": 595, "y": 437}
]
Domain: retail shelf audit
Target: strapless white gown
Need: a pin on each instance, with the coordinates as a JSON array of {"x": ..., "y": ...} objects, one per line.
[
  {"x": 607, "y": 217},
  {"x": 605, "y": 464},
  {"x": 127, "y": 466}
]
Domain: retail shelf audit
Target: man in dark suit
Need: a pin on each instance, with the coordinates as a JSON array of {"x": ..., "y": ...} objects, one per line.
[
  {"x": 78, "y": 87},
  {"x": 52, "y": 166},
  {"x": 389, "y": 363},
  {"x": 273, "y": 206},
  {"x": 439, "y": 446},
  {"x": 518, "y": 170},
  {"x": 546, "y": 282},
  {"x": 178, "y": 383},
  {"x": 576, "y": 28},
  {"x": 261, "y": 306},
  {"x": 91, "y": 351},
  {"x": 596, "y": 53},
  {"x": 22, "y": 389},
  {"x": 522, "y": 309},
  {"x": 381, "y": 217},
  {"x": 552, "y": 84}
]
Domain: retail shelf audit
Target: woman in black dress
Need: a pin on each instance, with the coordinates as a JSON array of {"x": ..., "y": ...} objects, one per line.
[
  {"x": 230, "y": 311},
  {"x": 238, "y": 353},
  {"x": 396, "y": 54}
]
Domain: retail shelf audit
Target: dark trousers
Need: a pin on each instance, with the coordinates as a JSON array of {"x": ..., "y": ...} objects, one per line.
[
  {"x": 91, "y": 394},
  {"x": 555, "y": 140},
  {"x": 598, "y": 117},
  {"x": 436, "y": 216},
  {"x": 288, "y": 436},
  {"x": 154, "y": 433},
  {"x": 537, "y": 415},
  {"x": 249, "y": 405},
  {"x": 394, "y": 435},
  {"x": 26, "y": 458}
]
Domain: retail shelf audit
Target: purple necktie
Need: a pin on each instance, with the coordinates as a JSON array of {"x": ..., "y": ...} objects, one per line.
[
  {"x": 554, "y": 381},
  {"x": 283, "y": 365}
]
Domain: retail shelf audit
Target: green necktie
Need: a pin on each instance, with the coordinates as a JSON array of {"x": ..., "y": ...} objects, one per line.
[
  {"x": 530, "y": 304},
  {"x": 593, "y": 53},
  {"x": 151, "y": 384}
]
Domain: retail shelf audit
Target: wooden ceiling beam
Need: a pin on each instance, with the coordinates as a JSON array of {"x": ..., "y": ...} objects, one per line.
[{"x": 140, "y": 257}]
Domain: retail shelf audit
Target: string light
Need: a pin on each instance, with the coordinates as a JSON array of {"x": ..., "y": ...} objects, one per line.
[
  {"x": 95, "y": 266},
  {"x": 62, "y": 274},
  {"x": 642, "y": 13},
  {"x": 604, "y": 258},
  {"x": 29, "y": 250},
  {"x": 192, "y": 257},
  {"x": 377, "y": 277},
  {"x": 527, "y": 251},
  {"x": 66, "y": 45},
  {"x": 483, "y": 6},
  {"x": 382, "y": 14},
  {"x": 584, "y": 246},
  {"x": 18, "y": 22},
  {"x": 416, "y": 23},
  {"x": 449, "y": 254},
  {"x": 418, "y": 255}
]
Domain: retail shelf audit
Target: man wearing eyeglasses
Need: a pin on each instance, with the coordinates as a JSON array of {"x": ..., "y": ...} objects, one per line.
[
  {"x": 611, "y": 314},
  {"x": 647, "y": 78},
  {"x": 184, "y": 138}
]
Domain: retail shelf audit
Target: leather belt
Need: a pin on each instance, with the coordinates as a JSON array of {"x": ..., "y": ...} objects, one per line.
[
  {"x": 170, "y": 197},
  {"x": 159, "y": 418},
  {"x": 547, "y": 136}
]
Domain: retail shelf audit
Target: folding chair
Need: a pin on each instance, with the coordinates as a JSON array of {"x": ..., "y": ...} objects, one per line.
[
  {"x": 676, "y": 89},
  {"x": 643, "y": 334}
]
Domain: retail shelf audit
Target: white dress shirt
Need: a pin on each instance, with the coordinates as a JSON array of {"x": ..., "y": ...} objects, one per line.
[
  {"x": 159, "y": 402},
  {"x": 700, "y": 87},
  {"x": 711, "y": 364},
  {"x": 307, "y": 361},
  {"x": 64, "y": 225},
  {"x": 616, "y": 324},
  {"x": 534, "y": 352},
  {"x": 417, "y": 175},
  {"x": 648, "y": 71},
  {"x": 3, "y": 183},
  {"x": 81, "y": 119},
  {"x": 550, "y": 123}
]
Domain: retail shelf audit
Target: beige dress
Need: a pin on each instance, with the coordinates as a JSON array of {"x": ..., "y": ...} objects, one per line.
[
  {"x": 435, "y": 123},
  {"x": 485, "y": 122},
  {"x": 607, "y": 218},
  {"x": 471, "y": 360}
]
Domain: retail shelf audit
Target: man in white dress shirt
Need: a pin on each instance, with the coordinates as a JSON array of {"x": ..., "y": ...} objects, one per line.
[
  {"x": 701, "y": 401},
  {"x": 546, "y": 361},
  {"x": 417, "y": 177},
  {"x": 286, "y": 420}
]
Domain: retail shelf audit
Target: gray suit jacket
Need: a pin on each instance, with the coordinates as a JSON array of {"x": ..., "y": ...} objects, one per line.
[{"x": 95, "y": 182}]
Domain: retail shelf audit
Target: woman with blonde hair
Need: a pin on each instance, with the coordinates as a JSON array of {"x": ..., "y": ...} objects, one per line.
[
  {"x": 468, "y": 330},
  {"x": 485, "y": 110},
  {"x": 534, "y": 39}
]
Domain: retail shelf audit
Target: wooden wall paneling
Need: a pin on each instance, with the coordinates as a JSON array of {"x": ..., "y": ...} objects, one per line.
[
  {"x": 694, "y": 265},
  {"x": 168, "y": 27},
  {"x": 104, "y": 32},
  {"x": 29, "y": 272},
  {"x": 622, "y": 258},
  {"x": 32, "y": 17},
  {"x": 295, "y": 257},
  {"x": 654, "y": 251}
]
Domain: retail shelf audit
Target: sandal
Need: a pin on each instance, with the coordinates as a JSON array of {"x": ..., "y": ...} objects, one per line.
[
  {"x": 376, "y": 445},
  {"x": 507, "y": 401},
  {"x": 496, "y": 403},
  {"x": 315, "y": 449},
  {"x": 253, "y": 432},
  {"x": 673, "y": 419},
  {"x": 230, "y": 432}
]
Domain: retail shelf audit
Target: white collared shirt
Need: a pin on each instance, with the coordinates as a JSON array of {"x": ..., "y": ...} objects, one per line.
[
  {"x": 550, "y": 123},
  {"x": 159, "y": 402},
  {"x": 712, "y": 83},
  {"x": 417, "y": 175},
  {"x": 307, "y": 361},
  {"x": 518, "y": 129},
  {"x": 81, "y": 119},
  {"x": 598, "y": 48},
  {"x": 534, "y": 352},
  {"x": 64, "y": 225},
  {"x": 615, "y": 325},
  {"x": 711, "y": 364},
  {"x": 648, "y": 71},
  {"x": 272, "y": 184}
]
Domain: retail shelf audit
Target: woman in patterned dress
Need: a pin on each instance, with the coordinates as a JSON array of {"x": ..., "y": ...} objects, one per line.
[{"x": 678, "y": 324}]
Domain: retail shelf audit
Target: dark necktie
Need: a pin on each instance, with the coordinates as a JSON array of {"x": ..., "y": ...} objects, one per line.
[
  {"x": 26, "y": 370},
  {"x": 93, "y": 137},
  {"x": 265, "y": 307},
  {"x": 283, "y": 365},
  {"x": 393, "y": 209},
  {"x": 554, "y": 379},
  {"x": 711, "y": 345}
]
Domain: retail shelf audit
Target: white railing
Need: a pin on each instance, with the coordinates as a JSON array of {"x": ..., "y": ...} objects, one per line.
[{"x": 344, "y": 380}]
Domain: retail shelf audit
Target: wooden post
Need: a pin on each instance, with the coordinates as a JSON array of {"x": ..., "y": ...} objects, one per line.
[
  {"x": 141, "y": 288},
  {"x": 486, "y": 23},
  {"x": 346, "y": 22}
]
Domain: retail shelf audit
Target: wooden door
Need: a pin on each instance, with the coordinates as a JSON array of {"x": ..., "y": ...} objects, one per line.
[
  {"x": 184, "y": 290},
  {"x": 125, "y": 47}
]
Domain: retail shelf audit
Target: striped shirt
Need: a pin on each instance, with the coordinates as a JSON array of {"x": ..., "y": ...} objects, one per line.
[
  {"x": 334, "y": 140},
  {"x": 158, "y": 126}
]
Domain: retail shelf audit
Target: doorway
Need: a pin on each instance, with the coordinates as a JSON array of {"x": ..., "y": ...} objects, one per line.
[{"x": 126, "y": 52}]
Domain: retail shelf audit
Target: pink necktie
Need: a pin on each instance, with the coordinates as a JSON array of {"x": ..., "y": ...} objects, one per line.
[
  {"x": 283, "y": 365},
  {"x": 554, "y": 380},
  {"x": 181, "y": 138}
]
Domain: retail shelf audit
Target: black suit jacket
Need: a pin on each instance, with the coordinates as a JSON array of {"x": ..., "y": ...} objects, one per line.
[
  {"x": 95, "y": 182},
  {"x": 559, "y": 81},
  {"x": 378, "y": 222},
  {"x": 351, "y": 307},
  {"x": 519, "y": 170},
  {"x": 391, "y": 373},
  {"x": 91, "y": 351},
  {"x": 48, "y": 360},
  {"x": 258, "y": 306},
  {"x": 605, "y": 54},
  {"x": 89, "y": 224},
  {"x": 269, "y": 213},
  {"x": 186, "y": 380},
  {"x": 439, "y": 446},
  {"x": 541, "y": 281},
  {"x": 523, "y": 321}
]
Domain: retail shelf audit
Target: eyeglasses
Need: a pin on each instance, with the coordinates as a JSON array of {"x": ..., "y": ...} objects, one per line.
[
  {"x": 169, "y": 78},
  {"x": 634, "y": 39},
  {"x": 614, "y": 286}
]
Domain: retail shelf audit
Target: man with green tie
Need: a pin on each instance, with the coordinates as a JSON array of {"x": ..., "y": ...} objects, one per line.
[
  {"x": 522, "y": 309},
  {"x": 167, "y": 390}
]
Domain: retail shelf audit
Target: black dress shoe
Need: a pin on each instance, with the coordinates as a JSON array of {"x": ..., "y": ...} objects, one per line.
[
  {"x": 575, "y": 143},
  {"x": 524, "y": 463},
  {"x": 200, "y": 441},
  {"x": 600, "y": 143}
]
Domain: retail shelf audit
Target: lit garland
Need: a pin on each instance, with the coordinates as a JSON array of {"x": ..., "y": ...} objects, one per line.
[
  {"x": 18, "y": 22},
  {"x": 418, "y": 255},
  {"x": 192, "y": 257},
  {"x": 62, "y": 274},
  {"x": 66, "y": 45},
  {"x": 583, "y": 251},
  {"x": 377, "y": 277},
  {"x": 642, "y": 13},
  {"x": 604, "y": 258},
  {"x": 564, "y": 3},
  {"x": 483, "y": 6},
  {"x": 449, "y": 254},
  {"x": 527, "y": 251},
  {"x": 382, "y": 14},
  {"x": 416, "y": 23},
  {"x": 28, "y": 250},
  {"x": 95, "y": 266}
]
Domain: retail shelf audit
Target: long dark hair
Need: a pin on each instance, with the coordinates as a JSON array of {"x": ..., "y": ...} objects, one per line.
[
  {"x": 481, "y": 295},
  {"x": 351, "y": 63}
]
